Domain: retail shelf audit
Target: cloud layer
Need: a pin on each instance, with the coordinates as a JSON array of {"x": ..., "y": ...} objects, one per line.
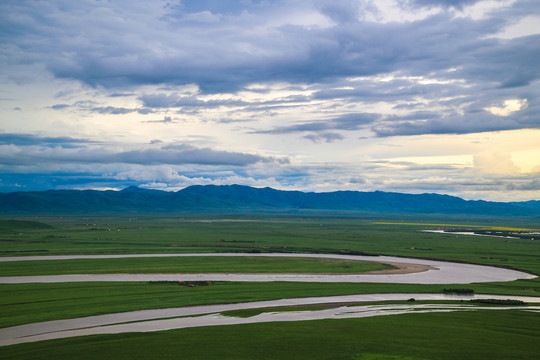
[{"x": 272, "y": 92}]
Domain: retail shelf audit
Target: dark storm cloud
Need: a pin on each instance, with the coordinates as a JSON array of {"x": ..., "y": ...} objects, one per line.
[
  {"x": 179, "y": 155},
  {"x": 35, "y": 140},
  {"x": 454, "y": 125},
  {"x": 357, "y": 180},
  {"x": 29, "y": 150},
  {"x": 397, "y": 88},
  {"x": 60, "y": 106},
  {"x": 445, "y": 3},
  {"x": 215, "y": 56},
  {"x": 459, "y": 184},
  {"x": 110, "y": 110},
  {"x": 166, "y": 101},
  {"x": 324, "y": 137},
  {"x": 474, "y": 119},
  {"x": 416, "y": 116},
  {"x": 354, "y": 121},
  {"x": 225, "y": 46},
  {"x": 166, "y": 120},
  {"x": 345, "y": 122},
  {"x": 341, "y": 11},
  {"x": 525, "y": 185},
  {"x": 509, "y": 63},
  {"x": 47, "y": 180},
  {"x": 230, "y": 7},
  {"x": 121, "y": 94}
]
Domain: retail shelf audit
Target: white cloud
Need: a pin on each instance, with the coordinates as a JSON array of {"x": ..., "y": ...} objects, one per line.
[
  {"x": 510, "y": 106},
  {"x": 493, "y": 162},
  {"x": 526, "y": 26},
  {"x": 482, "y": 9}
]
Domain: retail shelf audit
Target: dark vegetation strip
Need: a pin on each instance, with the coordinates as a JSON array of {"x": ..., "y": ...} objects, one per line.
[
  {"x": 458, "y": 291},
  {"x": 498, "y": 301}
]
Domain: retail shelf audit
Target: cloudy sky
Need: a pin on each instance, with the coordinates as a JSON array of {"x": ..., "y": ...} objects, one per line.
[{"x": 415, "y": 96}]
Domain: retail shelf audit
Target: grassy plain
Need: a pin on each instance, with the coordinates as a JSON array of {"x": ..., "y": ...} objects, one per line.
[
  {"x": 457, "y": 335},
  {"x": 331, "y": 234},
  {"x": 27, "y": 303},
  {"x": 485, "y": 227},
  {"x": 324, "y": 234},
  {"x": 198, "y": 264},
  {"x": 479, "y": 335}
]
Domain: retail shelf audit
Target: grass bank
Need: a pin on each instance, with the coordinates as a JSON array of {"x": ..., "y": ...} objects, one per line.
[
  {"x": 323, "y": 234},
  {"x": 479, "y": 335},
  {"x": 27, "y": 303},
  {"x": 198, "y": 264}
]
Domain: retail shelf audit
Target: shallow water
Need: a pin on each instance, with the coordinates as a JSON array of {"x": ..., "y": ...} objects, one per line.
[
  {"x": 467, "y": 233},
  {"x": 160, "y": 319},
  {"x": 446, "y": 273},
  {"x": 185, "y": 317}
]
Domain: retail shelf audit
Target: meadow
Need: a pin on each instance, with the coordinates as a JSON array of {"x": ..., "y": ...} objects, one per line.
[
  {"x": 446, "y": 336},
  {"x": 189, "y": 265},
  {"x": 309, "y": 233},
  {"x": 322, "y": 234}
]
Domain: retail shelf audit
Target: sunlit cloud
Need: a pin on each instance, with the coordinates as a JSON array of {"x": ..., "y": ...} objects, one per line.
[
  {"x": 509, "y": 106},
  {"x": 495, "y": 163},
  {"x": 526, "y": 26}
]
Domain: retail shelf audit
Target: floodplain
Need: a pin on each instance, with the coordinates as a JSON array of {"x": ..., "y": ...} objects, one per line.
[{"x": 296, "y": 233}]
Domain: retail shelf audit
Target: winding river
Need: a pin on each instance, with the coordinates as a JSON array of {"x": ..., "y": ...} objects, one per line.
[
  {"x": 439, "y": 272},
  {"x": 435, "y": 272}
]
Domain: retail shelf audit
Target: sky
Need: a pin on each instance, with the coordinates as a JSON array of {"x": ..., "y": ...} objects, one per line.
[{"x": 411, "y": 96}]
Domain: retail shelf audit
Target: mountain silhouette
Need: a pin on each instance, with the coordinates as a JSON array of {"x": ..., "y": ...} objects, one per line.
[{"x": 232, "y": 198}]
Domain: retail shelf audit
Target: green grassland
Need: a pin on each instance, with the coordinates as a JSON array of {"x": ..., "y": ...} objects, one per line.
[
  {"x": 481, "y": 334},
  {"x": 198, "y": 264},
  {"x": 272, "y": 234},
  {"x": 475, "y": 335},
  {"x": 486, "y": 227},
  {"x": 27, "y": 303},
  {"x": 324, "y": 234}
]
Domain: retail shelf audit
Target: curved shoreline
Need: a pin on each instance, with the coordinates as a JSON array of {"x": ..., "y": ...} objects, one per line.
[
  {"x": 401, "y": 268},
  {"x": 413, "y": 271},
  {"x": 211, "y": 315}
]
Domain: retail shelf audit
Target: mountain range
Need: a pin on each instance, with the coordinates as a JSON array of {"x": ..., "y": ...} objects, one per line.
[{"x": 238, "y": 198}]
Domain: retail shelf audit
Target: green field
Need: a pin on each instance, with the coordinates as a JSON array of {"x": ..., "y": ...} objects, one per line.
[
  {"x": 271, "y": 234},
  {"x": 190, "y": 265},
  {"x": 457, "y": 335},
  {"x": 27, "y": 303}
]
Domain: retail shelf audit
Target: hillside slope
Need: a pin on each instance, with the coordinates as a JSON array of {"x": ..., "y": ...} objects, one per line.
[{"x": 240, "y": 198}]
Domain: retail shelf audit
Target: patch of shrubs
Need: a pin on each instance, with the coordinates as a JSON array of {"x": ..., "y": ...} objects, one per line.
[
  {"x": 181, "y": 283},
  {"x": 194, "y": 283},
  {"x": 498, "y": 302},
  {"x": 459, "y": 291}
]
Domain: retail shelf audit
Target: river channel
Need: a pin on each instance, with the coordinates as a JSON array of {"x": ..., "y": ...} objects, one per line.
[
  {"x": 438, "y": 272},
  {"x": 434, "y": 272},
  {"x": 211, "y": 315}
]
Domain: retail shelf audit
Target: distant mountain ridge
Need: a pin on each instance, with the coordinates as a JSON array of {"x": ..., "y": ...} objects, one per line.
[{"x": 232, "y": 198}]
